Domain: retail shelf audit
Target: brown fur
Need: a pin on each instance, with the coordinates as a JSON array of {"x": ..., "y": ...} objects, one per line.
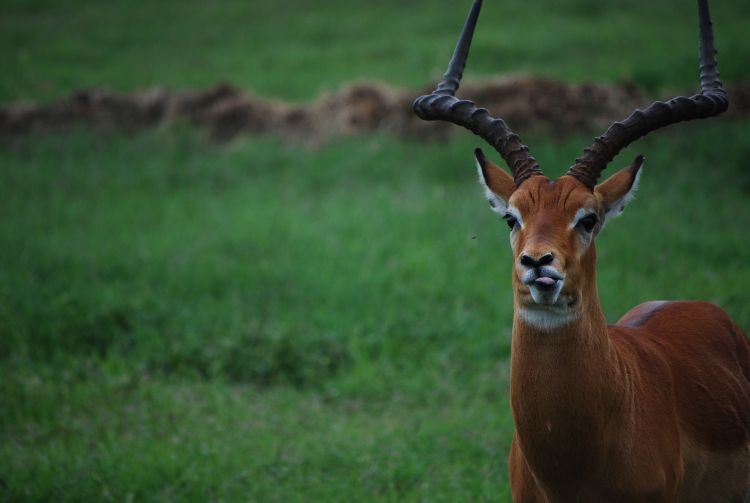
[{"x": 654, "y": 408}]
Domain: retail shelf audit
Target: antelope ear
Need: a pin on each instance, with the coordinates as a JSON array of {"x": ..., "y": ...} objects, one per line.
[
  {"x": 619, "y": 189},
  {"x": 498, "y": 185}
]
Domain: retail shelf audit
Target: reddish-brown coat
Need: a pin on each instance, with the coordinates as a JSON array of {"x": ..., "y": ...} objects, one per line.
[
  {"x": 654, "y": 408},
  {"x": 709, "y": 359}
]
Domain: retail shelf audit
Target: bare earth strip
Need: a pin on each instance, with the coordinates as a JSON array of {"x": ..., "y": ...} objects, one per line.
[{"x": 225, "y": 111}]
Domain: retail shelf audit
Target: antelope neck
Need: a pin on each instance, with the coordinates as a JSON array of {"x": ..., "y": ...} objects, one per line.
[{"x": 567, "y": 388}]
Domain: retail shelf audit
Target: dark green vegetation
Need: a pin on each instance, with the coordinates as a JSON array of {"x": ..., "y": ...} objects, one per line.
[
  {"x": 51, "y": 47},
  {"x": 261, "y": 322}
]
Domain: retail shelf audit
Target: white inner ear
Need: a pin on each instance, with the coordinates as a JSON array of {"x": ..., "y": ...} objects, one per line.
[
  {"x": 497, "y": 203},
  {"x": 619, "y": 206}
]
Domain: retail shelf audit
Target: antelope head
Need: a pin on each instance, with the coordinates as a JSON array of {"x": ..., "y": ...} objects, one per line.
[{"x": 553, "y": 223}]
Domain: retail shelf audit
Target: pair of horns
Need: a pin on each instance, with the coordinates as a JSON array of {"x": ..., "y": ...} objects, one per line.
[{"x": 442, "y": 104}]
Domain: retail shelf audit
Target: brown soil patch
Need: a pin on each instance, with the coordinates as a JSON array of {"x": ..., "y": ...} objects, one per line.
[{"x": 225, "y": 111}]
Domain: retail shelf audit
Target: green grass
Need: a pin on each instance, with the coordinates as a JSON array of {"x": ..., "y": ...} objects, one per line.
[
  {"x": 158, "y": 441},
  {"x": 183, "y": 321},
  {"x": 50, "y": 48},
  {"x": 257, "y": 321}
]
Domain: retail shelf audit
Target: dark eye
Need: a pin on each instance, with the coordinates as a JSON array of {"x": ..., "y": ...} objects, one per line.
[
  {"x": 511, "y": 220},
  {"x": 588, "y": 222}
]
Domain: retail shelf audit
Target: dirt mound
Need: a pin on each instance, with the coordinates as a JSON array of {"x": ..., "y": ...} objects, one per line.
[{"x": 225, "y": 111}]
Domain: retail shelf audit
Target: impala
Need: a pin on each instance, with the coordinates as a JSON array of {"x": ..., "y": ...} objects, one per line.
[{"x": 653, "y": 408}]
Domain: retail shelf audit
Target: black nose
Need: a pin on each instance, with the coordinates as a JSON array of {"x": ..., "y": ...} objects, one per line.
[{"x": 545, "y": 259}]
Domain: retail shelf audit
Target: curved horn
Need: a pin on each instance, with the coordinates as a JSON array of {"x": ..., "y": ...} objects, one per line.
[
  {"x": 443, "y": 105},
  {"x": 711, "y": 101}
]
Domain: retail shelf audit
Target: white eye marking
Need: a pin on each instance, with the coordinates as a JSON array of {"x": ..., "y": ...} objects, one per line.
[
  {"x": 516, "y": 214},
  {"x": 582, "y": 212}
]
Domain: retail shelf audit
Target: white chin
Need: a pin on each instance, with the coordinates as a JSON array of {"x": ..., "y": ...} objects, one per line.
[
  {"x": 547, "y": 318},
  {"x": 548, "y": 311}
]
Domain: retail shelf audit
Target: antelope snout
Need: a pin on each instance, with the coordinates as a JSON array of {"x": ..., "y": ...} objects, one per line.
[
  {"x": 539, "y": 269},
  {"x": 529, "y": 261},
  {"x": 543, "y": 279}
]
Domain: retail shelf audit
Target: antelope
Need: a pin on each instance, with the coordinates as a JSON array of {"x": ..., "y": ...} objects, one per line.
[{"x": 653, "y": 408}]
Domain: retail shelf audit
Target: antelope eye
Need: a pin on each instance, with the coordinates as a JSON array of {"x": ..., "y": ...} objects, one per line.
[
  {"x": 588, "y": 222},
  {"x": 510, "y": 220}
]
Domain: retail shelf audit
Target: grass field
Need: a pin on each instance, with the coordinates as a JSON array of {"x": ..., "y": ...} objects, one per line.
[
  {"x": 51, "y": 47},
  {"x": 257, "y": 321}
]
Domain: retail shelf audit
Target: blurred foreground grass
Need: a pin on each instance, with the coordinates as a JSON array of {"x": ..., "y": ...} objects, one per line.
[{"x": 263, "y": 322}]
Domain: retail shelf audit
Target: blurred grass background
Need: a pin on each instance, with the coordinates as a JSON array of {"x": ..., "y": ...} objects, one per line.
[
  {"x": 259, "y": 321},
  {"x": 298, "y": 49}
]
